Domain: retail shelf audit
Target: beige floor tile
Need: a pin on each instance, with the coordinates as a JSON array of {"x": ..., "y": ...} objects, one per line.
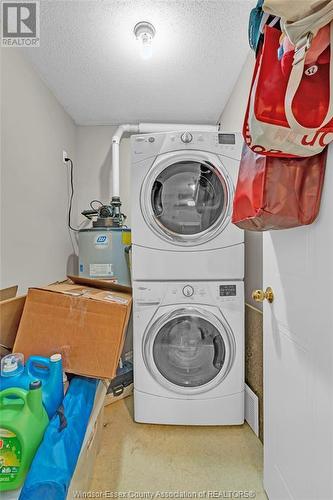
[{"x": 156, "y": 458}]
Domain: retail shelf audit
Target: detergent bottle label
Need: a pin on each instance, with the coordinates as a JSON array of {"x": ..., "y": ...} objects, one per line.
[{"x": 10, "y": 456}]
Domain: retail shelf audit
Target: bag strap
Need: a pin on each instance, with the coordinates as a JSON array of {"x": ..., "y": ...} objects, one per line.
[
  {"x": 274, "y": 21},
  {"x": 296, "y": 30},
  {"x": 295, "y": 78},
  {"x": 263, "y": 21}
]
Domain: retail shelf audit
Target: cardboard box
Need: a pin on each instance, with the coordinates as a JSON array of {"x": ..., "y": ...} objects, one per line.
[
  {"x": 11, "y": 308},
  {"x": 8, "y": 293},
  {"x": 86, "y": 324},
  {"x": 84, "y": 470}
]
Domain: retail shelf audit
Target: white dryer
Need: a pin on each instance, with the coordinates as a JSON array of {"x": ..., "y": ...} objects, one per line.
[
  {"x": 189, "y": 353},
  {"x": 182, "y": 195}
]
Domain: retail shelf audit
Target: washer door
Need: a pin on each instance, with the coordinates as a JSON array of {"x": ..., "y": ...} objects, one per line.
[
  {"x": 189, "y": 350},
  {"x": 186, "y": 199}
]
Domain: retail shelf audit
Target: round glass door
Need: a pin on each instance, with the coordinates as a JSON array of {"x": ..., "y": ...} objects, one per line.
[
  {"x": 188, "y": 199},
  {"x": 189, "y": 350}
]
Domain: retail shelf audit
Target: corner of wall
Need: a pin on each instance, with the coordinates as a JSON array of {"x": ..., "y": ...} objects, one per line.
[
  {"x": 35, "y": 131},
  {"x": 232, "y": 115}
]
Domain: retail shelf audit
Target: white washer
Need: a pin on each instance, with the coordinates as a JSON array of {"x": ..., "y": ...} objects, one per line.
[
  {"x": 189, "y": 353},
  {"x": 182, "y": 195}
]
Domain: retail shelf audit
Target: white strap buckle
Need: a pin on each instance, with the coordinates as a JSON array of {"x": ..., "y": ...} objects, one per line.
[{"x": 301, "y": 48}]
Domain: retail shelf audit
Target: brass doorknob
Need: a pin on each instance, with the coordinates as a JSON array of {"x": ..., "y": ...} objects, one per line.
[{"x": 261, "y": 295}]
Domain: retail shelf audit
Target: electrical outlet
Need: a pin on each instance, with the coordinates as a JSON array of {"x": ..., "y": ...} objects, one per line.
[{"x": 64, "y": 156}]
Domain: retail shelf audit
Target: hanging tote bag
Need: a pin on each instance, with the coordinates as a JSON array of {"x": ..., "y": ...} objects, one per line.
[
  {"x": 299, "y": 18},
  {"x": 277, "y": 193},
  {"x": 295, "y": 10},
  {"x": 290, "y": 108}
]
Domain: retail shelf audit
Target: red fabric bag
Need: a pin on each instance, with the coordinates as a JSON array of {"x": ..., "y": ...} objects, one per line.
[
  {"x": 288, "y": 105},
  {"x": 311, "y": 100},
  {"x": 277, "y": 193}
]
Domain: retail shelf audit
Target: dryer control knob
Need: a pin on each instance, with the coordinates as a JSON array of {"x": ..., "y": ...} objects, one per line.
[
  {"x": 188, "y": 291},
  {"x": 186, "y": 137}
]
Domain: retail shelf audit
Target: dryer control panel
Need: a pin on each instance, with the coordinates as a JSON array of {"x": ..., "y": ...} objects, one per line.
[{"x": 150, "y": 145}]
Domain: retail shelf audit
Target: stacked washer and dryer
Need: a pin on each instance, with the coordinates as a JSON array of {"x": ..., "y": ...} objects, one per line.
[{"x": 187, "y": 271}]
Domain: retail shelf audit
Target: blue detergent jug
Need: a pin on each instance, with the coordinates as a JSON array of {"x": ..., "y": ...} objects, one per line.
[{"x": 47, "y": 370}]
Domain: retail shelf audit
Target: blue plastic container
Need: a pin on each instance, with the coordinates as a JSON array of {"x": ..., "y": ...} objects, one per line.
[{"x": 47, "y": 370}]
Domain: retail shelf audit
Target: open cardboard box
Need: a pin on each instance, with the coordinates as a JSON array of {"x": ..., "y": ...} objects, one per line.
[
  {"x": 85, "y": 320},
  {"x": 11, "y": 308}
]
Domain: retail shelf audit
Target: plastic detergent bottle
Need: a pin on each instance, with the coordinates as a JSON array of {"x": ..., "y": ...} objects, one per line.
[
  {"x": 47, "y": 370},
  {"x": 22, "y": 425}
]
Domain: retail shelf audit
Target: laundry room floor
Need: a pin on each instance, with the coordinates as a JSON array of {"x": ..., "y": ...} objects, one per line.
[{"x": 157, "y": 458}]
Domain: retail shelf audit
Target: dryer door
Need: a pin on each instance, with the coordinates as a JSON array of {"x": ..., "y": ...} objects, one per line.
[
  {"x": 189, "y": 350},
  {"x": 186, "y": 197}
]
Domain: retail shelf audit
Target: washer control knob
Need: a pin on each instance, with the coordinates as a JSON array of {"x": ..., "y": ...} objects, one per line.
[
  {"x": 188, "y": 291},
  {"x": 186, "y": 137}
]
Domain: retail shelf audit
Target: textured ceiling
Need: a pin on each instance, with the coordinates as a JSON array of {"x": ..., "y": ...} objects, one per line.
[{"x": 89, "y": 58}]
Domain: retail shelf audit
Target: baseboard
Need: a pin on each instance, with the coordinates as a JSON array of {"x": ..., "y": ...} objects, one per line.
[{"x": 252, "y": 409}]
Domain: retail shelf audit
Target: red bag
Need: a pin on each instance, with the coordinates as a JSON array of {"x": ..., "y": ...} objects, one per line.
[
  {"x": 290, "y": 108},
  {"x": 277, "y": 193}
]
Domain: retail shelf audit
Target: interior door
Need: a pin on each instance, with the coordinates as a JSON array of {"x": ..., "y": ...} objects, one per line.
[{"x": 298, "y": 358}]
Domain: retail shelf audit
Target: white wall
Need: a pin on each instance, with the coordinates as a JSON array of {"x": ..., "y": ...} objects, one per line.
[
  {"x": 94, "y": 168},
  {"x": 232, "y": 119},
  {"x": 233, "y": 113},
  {"x": 35, "y": 243}
]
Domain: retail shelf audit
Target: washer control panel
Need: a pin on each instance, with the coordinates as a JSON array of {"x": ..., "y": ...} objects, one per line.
[{"x": 154, "y": 294}]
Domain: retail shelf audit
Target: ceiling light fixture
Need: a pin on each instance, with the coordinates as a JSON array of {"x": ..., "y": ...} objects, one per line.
[{"x": 144, "y": 32}]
